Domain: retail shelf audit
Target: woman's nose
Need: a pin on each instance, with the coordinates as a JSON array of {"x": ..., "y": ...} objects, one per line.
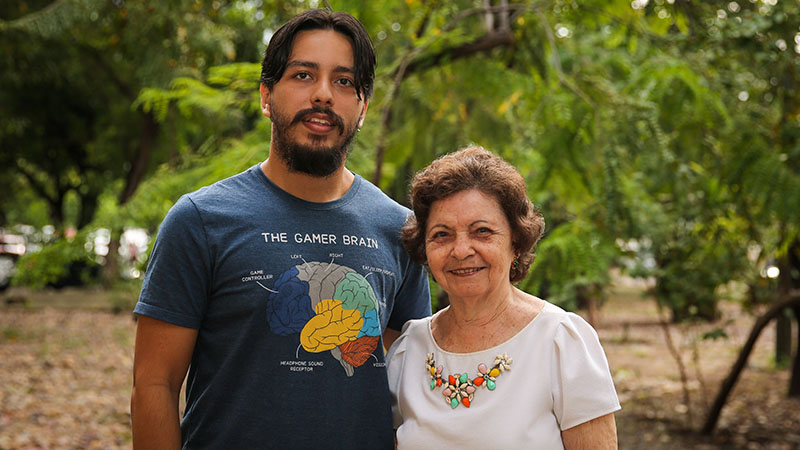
[{"x": 462, "y": 247}]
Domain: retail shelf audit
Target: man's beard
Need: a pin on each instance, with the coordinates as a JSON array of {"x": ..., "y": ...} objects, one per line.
[{"x": 313, "y": 159}]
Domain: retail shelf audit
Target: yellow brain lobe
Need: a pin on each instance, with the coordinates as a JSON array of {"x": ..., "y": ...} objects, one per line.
[{"x": 331, "y": 327}]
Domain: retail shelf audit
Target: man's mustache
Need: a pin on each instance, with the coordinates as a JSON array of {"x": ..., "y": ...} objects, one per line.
[{"x": 332, "y": 116}]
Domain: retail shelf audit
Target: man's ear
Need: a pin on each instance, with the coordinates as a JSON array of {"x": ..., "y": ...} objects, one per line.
[
  {"x": 363, "y": 114},
  {"x": 265, "y": 101}
]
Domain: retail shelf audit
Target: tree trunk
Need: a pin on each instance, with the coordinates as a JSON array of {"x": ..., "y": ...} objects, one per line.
[
  {"x": 141, "y": 159},
  {"x": 783, "y": 329},
  {"x": 587, "y": 299},
  {"x": 794, "y": 382},
  {"x": 139, "y": 164},
  {"x": 794, "y": 270},
  {"x": 89, "y": 203},
  {"x": 783, "y": 339},
  {"x": 790, "y": 301},
  {"x": 111, "y": 269}
]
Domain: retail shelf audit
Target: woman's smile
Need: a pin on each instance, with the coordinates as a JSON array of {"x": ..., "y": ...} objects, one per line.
[{"x": 468, "y": 244}]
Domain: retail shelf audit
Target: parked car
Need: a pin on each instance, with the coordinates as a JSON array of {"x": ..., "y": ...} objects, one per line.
[{"x": 12, "y": 246}]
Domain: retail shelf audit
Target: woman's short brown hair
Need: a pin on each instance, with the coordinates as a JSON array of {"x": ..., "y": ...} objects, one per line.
[{"x": 474, "y": 167}]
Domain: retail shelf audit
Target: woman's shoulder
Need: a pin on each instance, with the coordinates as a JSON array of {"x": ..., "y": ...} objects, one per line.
[
  {"x": 555, "y": 318},
  {"x": 416, "y": 325},
  {"x": 412, "y": 330}
]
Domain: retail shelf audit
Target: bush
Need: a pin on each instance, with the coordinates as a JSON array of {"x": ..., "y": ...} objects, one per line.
[{"x": 64, "y": 262}]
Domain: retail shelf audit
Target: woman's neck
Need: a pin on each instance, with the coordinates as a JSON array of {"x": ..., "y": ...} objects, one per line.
[
  {"x": 477, "y": 324},
  {"x": 479, "y": 312}
]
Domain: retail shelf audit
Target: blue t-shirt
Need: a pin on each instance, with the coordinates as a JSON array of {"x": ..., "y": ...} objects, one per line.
[{"x": 290, "y": 299}]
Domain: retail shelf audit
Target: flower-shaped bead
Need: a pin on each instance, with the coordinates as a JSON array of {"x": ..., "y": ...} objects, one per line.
[{"x": 459, "y": 390}]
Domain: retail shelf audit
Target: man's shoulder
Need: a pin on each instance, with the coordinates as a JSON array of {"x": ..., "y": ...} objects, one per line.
[
  {"x": 229, "y": 189},
  {"x": 378, "y": 200}
]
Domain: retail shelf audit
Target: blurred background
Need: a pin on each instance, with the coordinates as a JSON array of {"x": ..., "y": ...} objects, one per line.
[{"x": 660, "y": 139}]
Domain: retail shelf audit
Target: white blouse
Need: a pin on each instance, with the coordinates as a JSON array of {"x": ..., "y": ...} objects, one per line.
[{"x": 551, "y": 376}]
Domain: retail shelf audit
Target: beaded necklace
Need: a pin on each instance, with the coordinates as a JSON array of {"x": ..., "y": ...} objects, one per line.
[{"x": 459, "y": 388}]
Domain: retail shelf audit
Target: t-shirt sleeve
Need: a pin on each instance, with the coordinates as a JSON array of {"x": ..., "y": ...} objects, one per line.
[
  {"x": 582, "y": 385},
  {"x": 395, "y": 361},
  {"x": 177, "y": 280},
  {"x": 413, "y": 300}
]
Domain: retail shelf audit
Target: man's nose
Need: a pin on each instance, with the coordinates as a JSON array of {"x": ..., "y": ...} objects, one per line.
[{"x": 322, "y": 94}]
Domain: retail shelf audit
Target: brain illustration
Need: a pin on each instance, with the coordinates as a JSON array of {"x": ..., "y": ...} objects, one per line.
[{"x": 332, "y": 307}]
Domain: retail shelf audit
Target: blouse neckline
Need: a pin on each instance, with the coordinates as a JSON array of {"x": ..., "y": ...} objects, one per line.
[{"x": 548, "y": 307}]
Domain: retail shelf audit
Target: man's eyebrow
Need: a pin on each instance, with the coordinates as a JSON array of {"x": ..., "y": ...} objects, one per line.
[
  {"x": 309, "y": 64},
  {"x": 343, "y": 69},
  {"x": 315, "y": 66}
]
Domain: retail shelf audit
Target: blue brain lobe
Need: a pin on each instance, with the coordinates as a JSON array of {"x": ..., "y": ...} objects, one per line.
[
  {"x": 371, "y": 327},
  {"x": 289, "y": 308}
]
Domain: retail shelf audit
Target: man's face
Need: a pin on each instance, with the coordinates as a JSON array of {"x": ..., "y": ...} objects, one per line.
[{"x": 314, "y": 108}]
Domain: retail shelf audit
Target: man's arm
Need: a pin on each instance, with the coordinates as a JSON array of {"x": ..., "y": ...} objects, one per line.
[
  {"x": 389, "y": 336},
  {"x": 161, "y": 359},
  {"x": 596, "y": 434}
]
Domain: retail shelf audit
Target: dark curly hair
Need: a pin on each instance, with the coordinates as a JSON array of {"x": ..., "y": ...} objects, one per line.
[
  {"x": 280, "y": 47},
  {"x": 474, "y": 167}
]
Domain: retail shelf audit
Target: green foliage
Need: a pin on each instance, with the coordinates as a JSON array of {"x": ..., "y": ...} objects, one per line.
[
  {"x": 63, "y": 262},
  {"x": 716, "y": 333},
  {"x": 571, "y": 257},
  {"x": 658, "y": 137},
  {"x": 160, "y": 191}
]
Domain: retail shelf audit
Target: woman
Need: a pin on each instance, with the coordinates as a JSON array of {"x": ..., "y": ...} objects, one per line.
[{"x": 498, "y": 368}]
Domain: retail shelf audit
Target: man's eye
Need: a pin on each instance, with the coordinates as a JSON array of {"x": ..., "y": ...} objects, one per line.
[
  {"x": 345, "y": 82},
  {"x": 302, "y": 76}
]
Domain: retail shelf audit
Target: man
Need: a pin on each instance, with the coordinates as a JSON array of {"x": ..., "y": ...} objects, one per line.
[{"x": 273, "y": 287}]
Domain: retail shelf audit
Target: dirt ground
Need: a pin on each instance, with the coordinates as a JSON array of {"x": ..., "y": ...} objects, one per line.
[{"x": 65, "y": 377}]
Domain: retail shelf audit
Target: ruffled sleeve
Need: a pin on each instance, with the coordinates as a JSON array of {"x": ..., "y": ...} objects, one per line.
[{"x": 581, "y": 380}]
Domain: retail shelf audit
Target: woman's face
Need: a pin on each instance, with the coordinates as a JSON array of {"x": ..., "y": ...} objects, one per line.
[{"x": 469, "y": 247}]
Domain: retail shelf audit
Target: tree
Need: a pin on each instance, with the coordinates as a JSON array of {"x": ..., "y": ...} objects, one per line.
[{"x": 71, "y": 76}]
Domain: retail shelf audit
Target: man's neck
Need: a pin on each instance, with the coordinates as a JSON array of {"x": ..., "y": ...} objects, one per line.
[{"x": 308, "y": 187}]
